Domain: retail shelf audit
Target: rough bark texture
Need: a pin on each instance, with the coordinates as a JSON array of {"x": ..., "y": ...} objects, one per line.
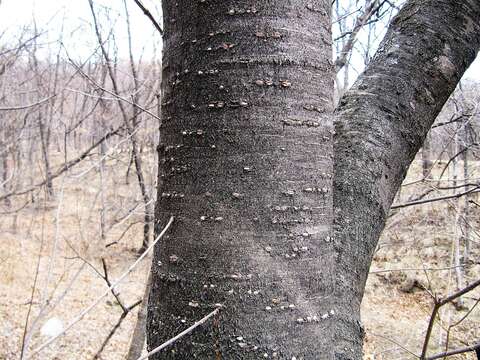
[
  {"x": 246, "y": 161},
  {"x": 382, "y": 121},
  {"x": 246, "y": 164}
]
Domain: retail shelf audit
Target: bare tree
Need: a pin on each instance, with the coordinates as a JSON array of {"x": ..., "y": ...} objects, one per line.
[{"x": 131, "y": 124}]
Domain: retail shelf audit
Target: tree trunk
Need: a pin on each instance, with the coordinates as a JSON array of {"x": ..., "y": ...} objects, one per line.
[
  {"x": 466, "y": 202},
  {"x": 103, "y": 205},
  {"x": 426, "y": 154},
  {"x": 45, "y": 144},
  {"x": 245, "y": 164},
  {"x": 382, "y": 121},
  {"x": 457, "y": 226}
]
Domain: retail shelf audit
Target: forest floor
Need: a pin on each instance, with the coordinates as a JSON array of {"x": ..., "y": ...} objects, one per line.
[{"x": 395, "y": 310}]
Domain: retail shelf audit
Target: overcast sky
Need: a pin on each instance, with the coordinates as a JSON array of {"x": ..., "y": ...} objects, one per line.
[{"x": 75, "y": 17}]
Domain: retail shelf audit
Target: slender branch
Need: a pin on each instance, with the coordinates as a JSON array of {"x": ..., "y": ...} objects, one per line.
[
  {"x": 66, "y": 166},
  {"x": 22, "y": 107},
  {"x": 116, "y": 327},
  {"x": 475, "y": 347},
  {"x": 436, "y": 308},
  {"x": 466, "y": 148},
  {"x": 124, "y": 232},
  {"x": 359, "y": 23},
  {"x": 440, "y": 198},
  {"x": 436, "y": 188},
  {"x": 179, "y": 336},
  {"x": 105, "y": 293},
  {"x": 34, "y": 287},
  {"x": 113, "y": 93},
  {"x": 16, "y": 210},
  {"x": 149, "y": 15},
  {"x": 396, "y": 343},
  {"x": 474, "y": 203},
  {"x": 452, "y": 120},
  {"x": 413, "y": 269},
  {"x": 109, "y": 283}
]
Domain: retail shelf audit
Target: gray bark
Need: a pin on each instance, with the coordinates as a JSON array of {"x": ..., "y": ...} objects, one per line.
[
  {"x": 382, "y": 121},
  {"x": 246, "y": 162}
]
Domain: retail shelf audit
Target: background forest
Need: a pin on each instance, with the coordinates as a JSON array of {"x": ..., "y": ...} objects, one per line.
[{"x": 79, "y": 115}]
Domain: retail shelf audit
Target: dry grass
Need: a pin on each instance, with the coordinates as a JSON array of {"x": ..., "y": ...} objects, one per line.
[
  {"x": 415, "y": 237},
  {"x": 72, "y": 221},
  {"x": 395, "y": 312}
]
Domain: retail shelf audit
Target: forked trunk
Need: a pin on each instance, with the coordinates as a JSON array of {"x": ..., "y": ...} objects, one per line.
[
  {"x": 246, "y": 161},
  {"x": 246, "y": 169}
]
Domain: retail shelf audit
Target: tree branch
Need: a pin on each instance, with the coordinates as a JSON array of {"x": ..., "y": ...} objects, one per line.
[
  {"x": 116, "y": 327},
  {"x": 179, "y": 336},
  {"x": 105, "y": 293},
  {"x": 475, "y": 347},
  {"x": 382, "y": 121},
  {"x": 149, "y": 15},
  {"x": 436, "y": 308},
  {"x": 440, "y": 198},
  {"x": 66, "y": 166},
  {"x": 23, "y": 107},
  {"x": 371, "y": 9}
]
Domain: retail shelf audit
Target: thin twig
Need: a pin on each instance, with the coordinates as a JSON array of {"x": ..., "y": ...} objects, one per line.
[
  {"x": 436, "y": 308},
  {"x": 105, "y": 293},
  {"x": 396, "y": 343},
  {"x": 475, "y": 347},
  {"x": 452, "y": 120},
  {"x": 440, "y": 198},
  {"x": 66, "y": 166},
  {"x": 23, "y": 107},
  {"x": 116, "y": 327},
  {"x": 179, "y": 336},
  {"x": 34, "y": 287},
  {"x": 371, "y": 9},
  {"x": 414, "y": 269},
  {"x": 150, "y": 16},
  {"x": 115, "y": 94},
  {"x": 109, "y": 283}
]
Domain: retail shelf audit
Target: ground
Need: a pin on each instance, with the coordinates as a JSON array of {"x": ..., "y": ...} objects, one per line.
[{"x": 66, "y": 228}]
